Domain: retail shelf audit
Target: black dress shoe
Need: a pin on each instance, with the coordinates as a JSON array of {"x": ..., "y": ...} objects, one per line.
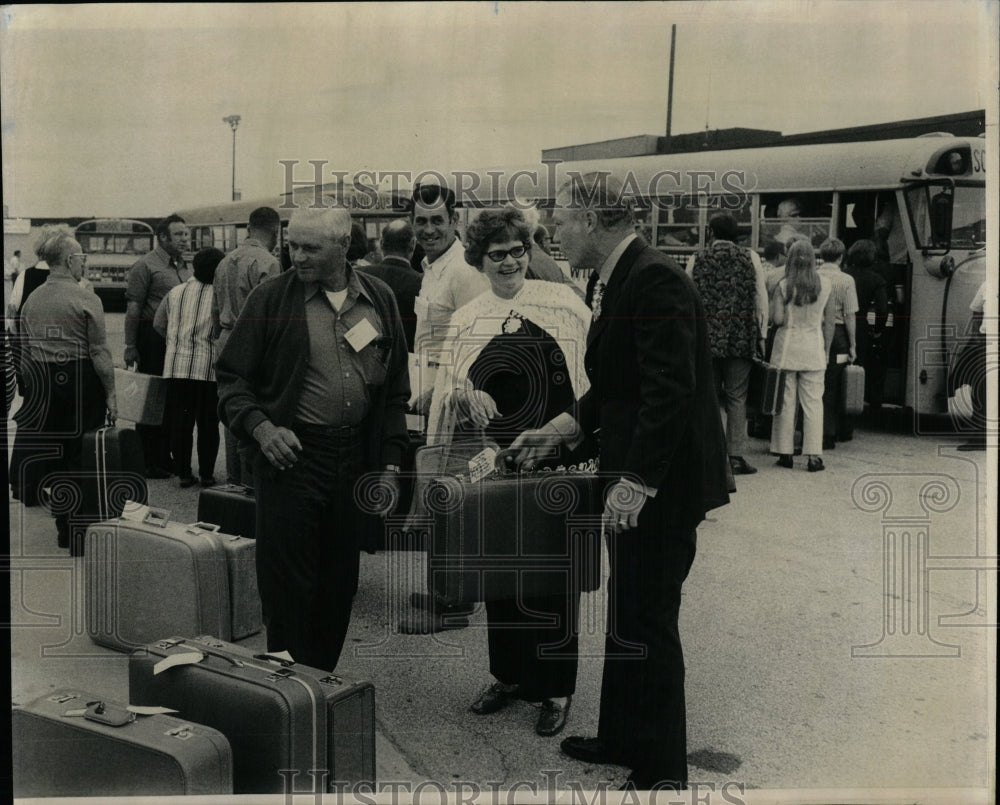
[
  {"x": 495, "y": 697},
  {"x": 815, "y": 465},
  {"x": 187, "y": 481},
  {"x": 591, "y": 750},
  {"x": 552, "y": 718},
  {"x": 785, "y": 460},
  {"x": 739, "y": 466},
  {"x": 431, "y": 621}
]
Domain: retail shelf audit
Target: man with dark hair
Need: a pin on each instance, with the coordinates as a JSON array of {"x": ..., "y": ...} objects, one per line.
[
  {"x": 240, "y": 271},
  {"x": 184, "y": 320},
  {"x": 730, "y": 281},
  {"x": 149, "y": 280},
  {"x": 314, "y": 382},
  {"x": 843, "y": 350},
  {"x": 662, "y": 445},
  {"x": 359, "y": 245},
  {"x": 398, "y": 242},
  {"x": 448, "y": 281}
]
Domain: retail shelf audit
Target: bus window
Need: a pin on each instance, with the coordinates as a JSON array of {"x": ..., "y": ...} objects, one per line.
[
  {"x": 218, "y": 237},
  {"x": 676, "y": 224},
  {"x": 786, "y": 217},
  {"x": 968, "y": 218}
]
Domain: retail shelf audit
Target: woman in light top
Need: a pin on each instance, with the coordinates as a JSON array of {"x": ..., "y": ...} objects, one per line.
[{"x": 801, "y": 343}]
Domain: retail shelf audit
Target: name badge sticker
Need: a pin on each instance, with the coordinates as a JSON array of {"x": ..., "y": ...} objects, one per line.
[{"x": 361, "y": 335}]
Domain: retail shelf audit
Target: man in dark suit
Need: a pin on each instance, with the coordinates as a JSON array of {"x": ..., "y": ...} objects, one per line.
[
  {"x": 652, "y": 399},
  {"x": 398, "y": 243}
]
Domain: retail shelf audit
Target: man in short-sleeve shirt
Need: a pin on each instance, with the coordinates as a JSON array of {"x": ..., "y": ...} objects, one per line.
[
  {"x": 843, "y": 350},
  {"x": 149, "y": 280}
]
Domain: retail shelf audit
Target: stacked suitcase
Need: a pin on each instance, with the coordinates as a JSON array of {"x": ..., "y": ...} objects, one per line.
[
  {"x": 291, "y": 727},
  {"x": 149, "y": 577},
  {"x": 231, "y": 506}
]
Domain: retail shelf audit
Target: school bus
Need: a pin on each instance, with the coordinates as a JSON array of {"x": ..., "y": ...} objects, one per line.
[
  {"x": 928, "y": 193},
  {"x": 112, "y": 245}
]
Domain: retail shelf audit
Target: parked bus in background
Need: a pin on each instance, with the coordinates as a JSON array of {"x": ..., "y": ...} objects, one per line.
[
  {"x": 224, "y": 225},
  {"x": 922, "y": 200},
  {"x": 112, "y": 245}
]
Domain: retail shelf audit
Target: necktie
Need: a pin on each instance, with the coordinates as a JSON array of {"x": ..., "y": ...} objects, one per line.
[{"x": 595, "y": 300}]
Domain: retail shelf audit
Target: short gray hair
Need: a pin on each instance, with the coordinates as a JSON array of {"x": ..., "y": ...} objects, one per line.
[
  {"x": 334, "y": 221},
  {"x": 53, "y": 243},
  {"x": 600, "y": 191}
]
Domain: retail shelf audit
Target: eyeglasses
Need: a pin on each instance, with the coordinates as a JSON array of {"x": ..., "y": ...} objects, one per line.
[
  {"x": 79, "y": 254},
  {"x": 500, "y": 255}
]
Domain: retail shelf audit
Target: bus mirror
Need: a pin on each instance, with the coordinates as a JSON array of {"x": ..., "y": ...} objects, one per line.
[{"x": 940, "y": 215}]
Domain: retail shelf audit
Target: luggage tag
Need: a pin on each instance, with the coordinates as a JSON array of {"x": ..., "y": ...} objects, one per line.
[
  {"x": 134, "y": 512},
  {"x": 482, "y": 464}
]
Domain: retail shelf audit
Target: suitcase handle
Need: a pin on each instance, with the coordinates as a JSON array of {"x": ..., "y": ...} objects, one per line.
[
  {"x": 108, "y": 714},
  {"x": 158, "y": 517},
  {"x": 271, "y": 658},
  {"x": 195, "y": 528}
]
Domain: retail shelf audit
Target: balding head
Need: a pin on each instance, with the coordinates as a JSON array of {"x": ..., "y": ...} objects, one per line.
[
  {"x": 334, "y": 222},
  {"x": 317, "y": 245},
  {"x": 398, "y": 239}
]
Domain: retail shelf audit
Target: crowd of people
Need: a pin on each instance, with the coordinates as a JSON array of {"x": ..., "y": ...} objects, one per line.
[{"x": 312, "y": 372}]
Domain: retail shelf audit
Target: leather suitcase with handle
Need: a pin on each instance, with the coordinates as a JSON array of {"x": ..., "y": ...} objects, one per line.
[{"x": 71, "y": 743}]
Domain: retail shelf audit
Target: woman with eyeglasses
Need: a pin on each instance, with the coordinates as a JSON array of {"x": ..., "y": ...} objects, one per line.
[
  {"x": 69, "y": 374},
  {"x": 516, "y": 360}
]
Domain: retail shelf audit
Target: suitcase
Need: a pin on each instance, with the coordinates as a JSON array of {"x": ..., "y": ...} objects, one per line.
[
  {"x": 282, "y": 719},
  {"x": 72, "y": 744},
  {"x": 142, "y": 398},
  {"x": 514, "y": 536},
  {"x": 232, "y": 506},
  {"x": 853, "y": 389},
  {"x": 151, "y": 577},
  {"x": 768, "y": 388},
  {"x": 114, "y": 472},
  {"x": 244, "y": 597}
]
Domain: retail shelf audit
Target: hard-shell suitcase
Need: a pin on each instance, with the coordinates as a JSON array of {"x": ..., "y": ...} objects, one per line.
[
  {"x": 854, "y": 389},
  {"x": 74, "y": 744},
  {"x": 231, "y": 506},
  {"x": 291, "y": 727},
  {"x": 142, "y": 398},
  {"x": 152, "y": 577},
  {"x": 244, "y": 597},
  {"x": 514, "y": 537},
  {"x": 769, "y": 389}
]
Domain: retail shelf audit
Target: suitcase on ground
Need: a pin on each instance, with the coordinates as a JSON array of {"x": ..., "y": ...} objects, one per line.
[
  {"x": 767, "y": 388},
  {"x": 282, "y": 719},
  {"x": 142, "y": 398},
  {"x": 74, "y": 744},
  {"x": 151, "y": 577},
  {"x": 514, "y": 536},
  {"x": 112, "y": 458},
  {"x": 232, "y": 507},
  {"x": 244, "y": 597},
  {"x": 854, "y": 389}
]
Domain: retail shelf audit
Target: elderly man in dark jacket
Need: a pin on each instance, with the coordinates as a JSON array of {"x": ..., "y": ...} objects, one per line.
[{"x": 314, "y": 383}]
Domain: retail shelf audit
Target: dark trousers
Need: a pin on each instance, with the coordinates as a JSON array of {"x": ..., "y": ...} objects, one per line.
[
  {"x": 642, "y": 691},
  {"x": 307, "y": 545},
  {"x": 155, "y": 438},
  {"x": 836, "y": 424},
  {"x": 533, "y": 644},
  {"x": 62, "y": 402},
  {"x": 190, "y": 403}
]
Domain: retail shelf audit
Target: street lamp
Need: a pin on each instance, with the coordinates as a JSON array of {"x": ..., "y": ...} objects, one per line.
[{"x": 233, "y": 121}]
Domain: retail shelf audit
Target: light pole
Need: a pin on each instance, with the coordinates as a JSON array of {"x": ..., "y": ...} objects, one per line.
[{"x": 233, "y": 121}]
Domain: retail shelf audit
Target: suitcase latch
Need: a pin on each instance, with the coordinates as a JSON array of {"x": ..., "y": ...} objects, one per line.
[
  {"x": 331, "y": 680},
  {"x": 62, "y": 698},
  {"x": 181, "y": 733},
  {"x": 164, "y": 644}
]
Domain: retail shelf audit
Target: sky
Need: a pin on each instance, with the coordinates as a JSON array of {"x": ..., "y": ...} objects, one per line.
[{"x": 117, "y": 109}]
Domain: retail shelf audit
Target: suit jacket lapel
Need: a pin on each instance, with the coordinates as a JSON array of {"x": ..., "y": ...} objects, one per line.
[{"x": 619, "y": 274}]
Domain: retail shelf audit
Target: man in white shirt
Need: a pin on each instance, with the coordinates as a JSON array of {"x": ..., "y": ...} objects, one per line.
[{"x": 449, "y": 282}]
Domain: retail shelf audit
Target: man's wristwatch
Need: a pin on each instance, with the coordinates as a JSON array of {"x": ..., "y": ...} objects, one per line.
[{"x": 393, "y": 468}]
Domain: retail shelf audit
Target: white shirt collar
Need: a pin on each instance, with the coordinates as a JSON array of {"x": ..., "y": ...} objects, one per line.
[
  {"x": 604, "y": 274},
  {"x": 454, "y": 252}
]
